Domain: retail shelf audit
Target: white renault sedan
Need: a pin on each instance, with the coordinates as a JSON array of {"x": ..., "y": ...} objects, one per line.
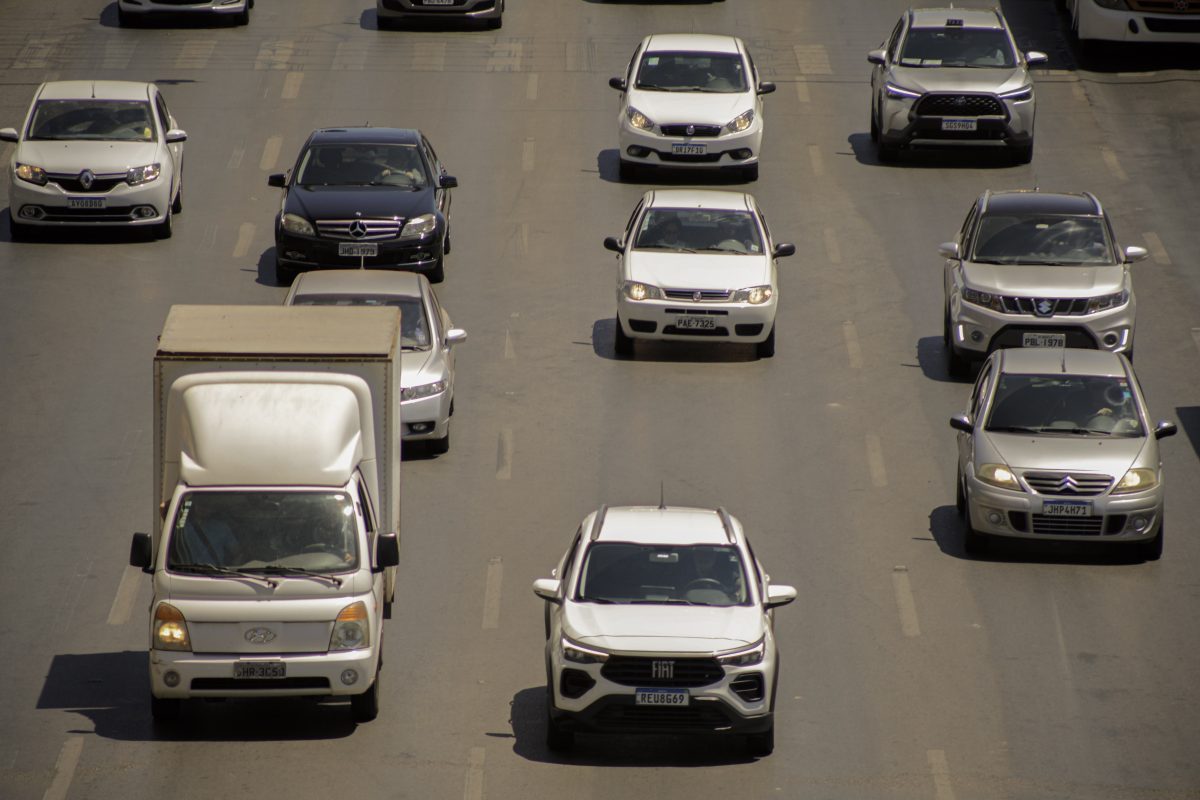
[
  {"x": 693, "y": 101},
  {"x": 697, "y": 264},
  {"x": 95, "y": 153},
  {"x": 427, "y": 338}
]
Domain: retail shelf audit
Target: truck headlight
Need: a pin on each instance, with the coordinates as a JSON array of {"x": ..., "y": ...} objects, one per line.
[
  {"x": 350, "y": 631},
  {"x": 418, "y": 226},
  {"x": 985, "y": 299},
  {"x": 998, "y": 475},
  {"x": 31, "y": 174},
  {"x": 170, "y": 629},
  {"x": 1105, "y": 302},
  {"x": 1136, "y": 480},
  {"x": 422, "y": 390},
  {"x": 639, "y": 120},
  {"x": 745, "y": 656},
  {"x": 635, "y": 290},
  {"x": 294, "y": 223},
  {"x": 755, "y": 295},
  {"x": 741, "y": 122},
  {"x": 139, "y": 175},
  {"x": 579, "y": 654}
]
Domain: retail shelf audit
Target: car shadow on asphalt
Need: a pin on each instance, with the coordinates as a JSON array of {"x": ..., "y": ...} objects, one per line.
[
  {"x": 528, "y": 721},
  {"x": 108, "y": 19},
  {"x": 933, "y": 157},
  {"x": 931, "y": 355},
  {"x": 603, "y": 331},
  {"x": 112, "y": 691},
  {"x": 265, "y": 269},
  {"x": 1189, "y": 421},
  {"x": 608, "y": 163}
]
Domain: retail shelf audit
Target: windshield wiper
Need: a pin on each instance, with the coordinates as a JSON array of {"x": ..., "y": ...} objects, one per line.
[
  {"x": 663, "y": 247},
  {"x": 220, "y": 572},
  {"x": 1017, "y": 429},
  {"x": 297, "y": 572},
  {"x": 601, "y": 600},
  {"x": 421, "y": 347},
  {"x": 727, "y": 250},
  {"x": 667, "y": 601}
]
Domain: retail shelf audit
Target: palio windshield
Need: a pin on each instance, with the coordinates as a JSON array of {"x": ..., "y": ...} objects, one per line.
[
  {"x": 625, "y": 573},
  {"x": 721, "y": 73},
  {"x": 96, "y": 120},
  {"x": 264, "y": 531},
  {"x": 696, "y": 230},
  {"x": 414, "y": 326},
  {"x": 957, "y": 47},
  {"x": 1046, "y": 239},
  {"x": 395, "y": 165},
  {"x": 1067, "y": 405}
]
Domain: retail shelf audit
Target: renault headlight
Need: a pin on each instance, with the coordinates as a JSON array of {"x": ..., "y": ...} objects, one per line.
[
  {"x": 755, "y": 295},
  {"x": 419, "y": 226},
  {"x": 985, "y": 299},
  {"x": 744, "y": 657},
  {"x": 998, "y": 475},
  {"x": 170, "y": 629},
  {"x": 639, "y": 120},
  {"x": 577, "y": 653},
  {"x": 423, "y": 390},
  {"x": 1105, "y": 302},
  {"x": 741, "y": 122},
  {"x": 1136, "y": 480},
  {"x": 31, "y": 174},
  {"x": 635, "y": 290},
  {"x": 294, "y": 223},
  {"x": 897, "y": 92},
  {"x": 139, "y": 175},
  {"x": 350, "y": 631}
]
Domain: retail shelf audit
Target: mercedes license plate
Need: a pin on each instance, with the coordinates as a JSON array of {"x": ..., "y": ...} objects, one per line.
[
  {"x": 358, "y": 249},
  {"x": 689, "y": 149},
  {"x": 660, "y": 697},
  {"x": 695, "y": 323},
  {"x": 259, "y": 670},
  {"x": 1043, "y": 339},
  {"x": 959, "y": 124},
  {"x": 85, "y": 202},
  {"x": 1067, "y": 508}
]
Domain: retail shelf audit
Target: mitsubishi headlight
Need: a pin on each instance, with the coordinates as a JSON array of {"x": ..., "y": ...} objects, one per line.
[
  {"x": 985, "y": 299},
  {"x": 579, "y": 654},
  {"x": 31, "y": 174},
  {"x": 741, "y": 122},
  {"x": 744, "y": 657},
  {"x": 170, "y": 629},
  {"x": 1136, "y": 480},
  {"x": 139, "y": 175},
  {"x": 755, "y": 295},
  {"x": 1019, "y": 95},
  {"x": 998, "y": 475},
  {"x": 897, "y": 92},
  {"x": 294, "y": 223},
  {"x": 418, "y": 226},
  {"x": 350, "y": 631},
  {"x": 1105, "y": 302},
  {"x": 641, "y": 291},
  {"x": 638, "y": 120},
  {"x": 423, "y": 390}
]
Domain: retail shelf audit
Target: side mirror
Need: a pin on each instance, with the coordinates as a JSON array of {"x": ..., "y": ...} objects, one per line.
[
  {"x": 141, "y": 553},
  {"x": 8, "y": 135},
  {"x": 455, "y": 336},
  {"x": 948, "y": 249},
  {"x": 617, "y": 83},
  {"x": 877, "y": 56},
  {"x": 387, "y": 551},
  {"x": 447, "y": 181},
  {"x": 547, "y": 589},
  {"x": 784, "y": 249},
  {"x": 1134, "y": 253},
  {"x": 175, "y": 136},
  {"x": 961, "y": 422},
  {"x": 780, "y": 595},
  {"x": 611, "y": 243},
  {"x": 1164, "y": 429},
  {"x": 278, "y": 180},
  {"x": 766, "y": 87},
  {"x": 1034, "y": 57}
]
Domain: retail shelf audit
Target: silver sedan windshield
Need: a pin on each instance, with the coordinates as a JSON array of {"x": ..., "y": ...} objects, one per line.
[
  {"x": 1066, "y": 404},
  {"x": 620, "y": 572},
  {"x": 414, "y": 325}
]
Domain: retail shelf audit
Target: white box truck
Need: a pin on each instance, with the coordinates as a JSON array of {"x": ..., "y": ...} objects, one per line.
[{"x": 277, "y": 503}]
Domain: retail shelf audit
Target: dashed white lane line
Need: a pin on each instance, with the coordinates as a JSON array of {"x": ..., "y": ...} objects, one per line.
[
  {"x": 473, "y": 788},
  {"x": 813, "y": 59},
  {"x": 122, "y": 605},
  {"x": 802, "y": 93},
  {"x": 64, "y": 768},
  {"x": 244, "y": 240},
  {"x": 853, "y": 350},
  {"x": 491, "y": 594},
  {"x": 1155, "y": 246},
  {"x": 274, "y": 54},
  {"x": 117, "y": 54},
  {"x": 505, "y": 57},
  {"x": 235, "y": 158},
  {"x": 832, "y": 249},
  {"x": 875, "y": 461},
  {"x": 195, "y": 55},
  {"x": 509, "y": 352},
  {"x": 531, "y": 87},
  {"x": 291, "y": 85},
  {"x": 817, "y": 161},
  {"x": 905, "y": 602},
  {"x": 429, "y": 56},
  {"x": 943, "y": 789},
  {"x": 1114, "y": 166},
  {"x": 270, "y": 153},
  {"x": 527, "y": 156},
  {"x": 350, "y": 56},
  {"x": 504, "y": 448}
]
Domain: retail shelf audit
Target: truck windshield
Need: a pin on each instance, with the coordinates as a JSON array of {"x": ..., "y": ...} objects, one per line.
[{"x": 249, "y": 530}]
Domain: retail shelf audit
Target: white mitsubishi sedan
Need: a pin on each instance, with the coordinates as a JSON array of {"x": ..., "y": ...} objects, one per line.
[
  {"x": 691, "y": 100},
  {"x": 95, "y": 153}
]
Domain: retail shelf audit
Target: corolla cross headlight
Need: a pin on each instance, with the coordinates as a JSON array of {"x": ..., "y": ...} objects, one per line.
[
  {"x": 744, "y": 657},
  {"x": 31, "y": 174},
  {"x": 1136, "y": 480},
  {"x": 985, "y": 299},
  {"x": 741, "y": 122},
  {"x": 998, "y": 475},
  {"x": 579, "y": 654},
  {"x": 639, "y": 120},
  {"x": 350, "y": 629},
  {"x": 755, "y": 295},
  {"x": 1019, "y": 95},
  {"x": 423, "y": 390},
  {"x": 641, "y": 291},
  {"x": 897, "y": 92},
  {"x": 419, "y": 226},
  {"x": 139, "y": 175},
  {"x": 294, "y": 223},
  {"x": 170, "y": 629},
  {"x": 1105, "y": 302}
]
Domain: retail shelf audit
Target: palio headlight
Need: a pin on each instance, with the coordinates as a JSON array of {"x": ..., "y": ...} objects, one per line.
[
  {"x": 741, "y": 122},
  {"x": 755, "y": 295},
  {"x": 424, "y": 390},
  {"x": 139, "y": 175},
  {"x": 294, "y": 223},
  {"x": 418, "y": 226},
  {"x": 639, "y": 120},
  {"x": 985, "y": 299},
  {"x": 1105, "y": 302},
  {"x": 745, "y": 657},
  {"x": 998, "y": 475},
  {"x": 31, "y": 174},
  {"x": 170, "y": 629},
  {"x": 579, "y": 654},
  {"x": 635, "y": 290},
  {"x": 350, "y": 631},
  {"x": 1136, "y": 480}
]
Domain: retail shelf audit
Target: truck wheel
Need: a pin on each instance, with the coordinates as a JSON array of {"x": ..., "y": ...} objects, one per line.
[
  {"x": 762, "y": 744},
  {"x": 164, "y": 709},
  {"x": 365, "y": 707}
]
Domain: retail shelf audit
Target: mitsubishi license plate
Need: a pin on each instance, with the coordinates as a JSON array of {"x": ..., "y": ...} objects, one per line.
[
  {"x": 660, "y": 697},
  {"x": 259, "y": 670}
]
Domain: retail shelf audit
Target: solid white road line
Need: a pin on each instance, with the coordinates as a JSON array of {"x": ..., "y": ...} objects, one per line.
[
  {"x": 127, "y": 590},
  {"x": 491, "y": 594},
  {"x": 1155, "y": 246},
  {"x": 1114, "y": 166},
  {"x": 270, "y": 153},
  {"x": 504, "y": 447},
  {"x": 473, "y": 789},
  {"x": 941, "y": 774},
  {"x": 832, "y": 249},
  {"x": 853, "y": 350},
  {"x": 244, "y": 240},
  {"x": 527, "y": 156},
  {"x": 64, "y": 768},
  {"x": 531, "y": 87},
  {"x": 291, "y": 85},
  {"x": 875, "y": 461},
  {"x": 195, "y": 55},
  {"x": 818, "y": 163},
  {"x": 905, "y": 602},
  {"x": 813, "y": 59}
]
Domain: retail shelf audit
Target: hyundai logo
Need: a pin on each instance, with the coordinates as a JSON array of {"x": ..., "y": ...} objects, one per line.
[
  {"x": 662, "y": 669},
  {"x": 1043, "y": 307},
  {"x": 260, "y": 635},
  {"x": 86, "y": 179},
  {"x": 358, "y": 229}
]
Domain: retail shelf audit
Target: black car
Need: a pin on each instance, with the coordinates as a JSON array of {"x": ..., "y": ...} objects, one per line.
[{"x": 373, "y": 197}]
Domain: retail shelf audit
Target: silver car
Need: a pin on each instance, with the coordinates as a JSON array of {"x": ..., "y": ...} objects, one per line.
[
  {"x": 427, "y": 337},
  {"x": 1036, "y": 269},
  {"x": 952, "y": 76},
  {"x": 1057, "y": 444},
  {"x": 391, "y": 13}
]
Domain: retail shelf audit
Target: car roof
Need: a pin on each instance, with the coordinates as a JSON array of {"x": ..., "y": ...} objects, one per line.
[
  {"x": 359, "y": 281},
  {"x": 101, "y": 90},
  {"x": 699, "y": 198},
  {"x": 971, "y": 17},
  {"x": 1026, "y": 201},
  {"x": 362, "y": 134},
  {"x": 698, "y": 42},
  {"x": 673, "y": 525},
  {"x": 1062, "y": 361}
]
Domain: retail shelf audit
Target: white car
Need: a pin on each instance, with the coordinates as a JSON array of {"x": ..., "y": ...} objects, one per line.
[
  {"x": 1135, "y": 20},
  {"x": 427, "y": 337},
  {"x": 660, "y": 620},
  {"x": 95, "y": 153},
  {"x": 697, "y": 264},
  {"x": 131, "y": 12},
  {"x": 690, "y": 100}
]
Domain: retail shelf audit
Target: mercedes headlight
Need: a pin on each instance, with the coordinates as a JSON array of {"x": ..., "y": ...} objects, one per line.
[
  {"x": 741, "y": 122},
  {"x": 419, "y": 226},
  {"x": 635, "y": 290},
  {"x": 1105, "y": 302},
  {"x": 1136, "y": 480},
  {"x": 985, "y": 299},
  {"x": 755, "y": 295},
  {"x": 897, "y": 92},
  {"x": 139, "y": 175},
  {"x": 745, "y": 656},
  {"x": 31, "y": 174},
  {"x": 294, "y": 223},
  {"x": 423, "y": 390},
  {"x": 350, "y": 631},
  {"x": 170, "y": 629},
  {"x": 639, "y": 120},
  {"x": 579, "y": 654},
  {"x": 998, "y": 475}
]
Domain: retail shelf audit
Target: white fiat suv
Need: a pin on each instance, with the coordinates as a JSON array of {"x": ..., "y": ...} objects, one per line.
[
  {"x": 660, "y": 620},
  {"x": 697, "y": 264},
  {"x": 690, "y": 100}
]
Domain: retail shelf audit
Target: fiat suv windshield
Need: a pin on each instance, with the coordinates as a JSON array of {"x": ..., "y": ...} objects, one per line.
[{"x": 626, "y": 573}]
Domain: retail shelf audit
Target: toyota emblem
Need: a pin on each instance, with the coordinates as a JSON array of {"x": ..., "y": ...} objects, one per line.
[
  {"x": 1044, "y": 308},
  {"x": 86, "y": 179},
  {"x": 358, "y": 229},
  {"x": 690, "y": 130},
  {"x": 260, "y": 635}
]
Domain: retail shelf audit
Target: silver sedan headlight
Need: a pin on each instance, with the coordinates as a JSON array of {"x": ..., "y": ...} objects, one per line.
[
  {"x": 418, "y": 226},
  {"x": 422, "y": 390},
  {"x": 139, "y": 175},
  {"x": 755, "y": 295},
  {"x": 31, "y": 174},
  {"x": 998, "y": 475},
  {"x": 635, "y": 290},
  {"x": 1136, "y": 480},
  {"x": 639, "y": 120},
  {"x": 741, "y": 122},
  {"x": 985, "y": 299},
  {"x": 294, "y": 223}
]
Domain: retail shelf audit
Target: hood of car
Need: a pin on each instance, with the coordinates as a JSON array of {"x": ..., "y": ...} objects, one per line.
[
  {"x": 1043, "y": 281},
  {"x": 419, "y": 367},
  {"x": 75, "y": 156},
  {"x": 1109, "y": 455},
  {"x": 959, "y": 79},
  {"x": 672, "y": 270},
  {"x": 704, "y": 108},
  {"x": 344, "y": 202},
  {"x": 663, "y": 628}
]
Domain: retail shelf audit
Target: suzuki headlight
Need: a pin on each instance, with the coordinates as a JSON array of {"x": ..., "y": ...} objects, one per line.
[
  {"x": 1019, "y": 95},
  {"x": 755, "y": 295},
  {"x": 579, "y": 654},
  {"x": 741, "y": 122},
  {"x": 31, "y": 174},
  {"x": 897, "y": 92},
  {"x": 423, "y": 390},
  {"x": 998, "y": 475},
  {"x": 139, "y": 175},
  {"x": 170, "y": 629},
  {"x": 1136, "y": 480},
  {"x": 638, "y": 120},
  {"x": 985, "y": 299},
  {"x": 641, "y": 291},
  {"x": 419, "y": 226},
  {"x": 294, "y": 223},
  {"x": 350, "y": 631},
  {"x": 744, "y": 657},
  {"x": 1105, "y": 302}
]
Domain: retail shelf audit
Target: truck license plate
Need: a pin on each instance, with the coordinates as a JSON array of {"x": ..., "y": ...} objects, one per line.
[
  {"x": 259, "y": 670},
  {"x": 660, "y": 697},
  {"x": 1067, "y": 508},
  {"x": 959, "y": 124},
  {"x": 1043, "y": 340},
  {"x": 358, "y": 249}
]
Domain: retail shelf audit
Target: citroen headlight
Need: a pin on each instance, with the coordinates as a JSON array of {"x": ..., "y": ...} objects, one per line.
[
  {"x": 741, "y": 122},
  {"x": 419, "y": 226},
  {"x": 1105, "y": 302},
  {"x": 985, "y": 299},
  {"x": 744, "y": 657},
  {"x": 294, "y": 223},
  {"x": 639, "y": 120},
  {"x": 576, "y": 653},
  {"x": 139, "y": 175},
  {"x": 897, "y": 92},
  {"x": 998, "y": 475},
  {"x": 1019, "y": 95},
  {"x": 1136, "y": 480},
  {"x": 755, "y": 295},
  {"x": 350, "y": 631},
  {"x": 424, "y": 390},
  {"x": 170, "y": 629},
  {"x": 641, "y": 291},
  {"x": 31, "y": 174}
]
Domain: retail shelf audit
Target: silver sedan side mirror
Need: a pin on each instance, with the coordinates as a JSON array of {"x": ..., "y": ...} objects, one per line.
[
  {"x": 174, "y": 136},
  {"x": 961, "y": 422},
  {"x": 1134, "y": 253},
  {"x": 877, "y": 56},
  {"x": 1036, "y": 57},
  {"x": 455, "y": 336},
  {"x": 948, "y": 250}
]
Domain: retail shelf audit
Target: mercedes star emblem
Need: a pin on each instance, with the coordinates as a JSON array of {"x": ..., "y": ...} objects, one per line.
[
  {"x": 86, "y": 179},
  {"x": 358, "y": 229}
]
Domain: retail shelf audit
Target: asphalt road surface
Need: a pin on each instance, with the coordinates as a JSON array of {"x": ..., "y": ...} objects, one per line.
[{"x": 909, "y": 671}]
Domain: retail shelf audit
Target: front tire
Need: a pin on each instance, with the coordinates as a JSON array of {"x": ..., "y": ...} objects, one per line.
[
  {"x": 284, "y": 275},
  {"x": 1022, "y": 154},
  {"x": 177, "y": 203},
  {"x": 750, "y": 173},
  {"x": 1152, "y": 550},
  {"x": 622, "y": 342},
  {"x": 766, "y": 348},
  {"x": 762, "y": 744},
  {"x": 974, "y": 542},
  {"x": 18, "y": 231},
  {"x": 558, "y": 739},
  {"x": 165, "y": 709},
  {"x": 628, "y": 171},
  {"x": 164, "y": 229},
  {"x": 438, "y": 273},
  {"x": 887, "y": 152},
  {"x": 365, "y": 707},
  {"x": 440, "y": 446}
]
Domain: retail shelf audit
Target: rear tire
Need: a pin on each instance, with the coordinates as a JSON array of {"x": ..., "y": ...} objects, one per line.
[
  {"x": 1152, "y": 550},
  {"x": 762, "y": 744},
  {"x": 622, "y": 342},
  {"x": 766, "y": 348},
  {"x": 365, "y": 707},
  {"x": 165, "y": 709}
]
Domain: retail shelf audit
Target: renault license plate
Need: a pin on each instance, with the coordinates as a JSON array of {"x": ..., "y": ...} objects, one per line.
[
  {"x": 689, "y": 149},
  {"x": 1043, "y": 340},
  {"x": 695, "y": 323},
  {"x": 85, "y": 202},
  {"x": 358, "y": 249},
  {"x": 1067, "y": 508},
  {"x": 660, "y": 697},
  {"x": 959, "y": 124},
  {"x": 259, "y": 670}
]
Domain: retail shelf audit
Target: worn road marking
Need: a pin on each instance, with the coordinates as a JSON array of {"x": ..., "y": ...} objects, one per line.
[
  {"x": 64, "y": 768},
  {"x": 429, "y": 56},
  {"x": 818, "y": 163},
  {"x": 37, "y": 52},
  {"x": 473, "y": 790},
  {"x": 244, "y": 240},
  {"x": 853, "y": 351},
  {"x": 1196, "y": 337},
  {"x": 349, "y": 55},
  {"x": 117, "y": 54},
  {"x": 235, "y": 158},
  {"x": 941, "y": 775},
  {"x": 291, "y": 85},
  {"x": 504, "y": 449},
  {"x": 577, "y": 57},
  {"x": 531, "y": 87},
  {"x": 833, "y": 250},
  {"x": 527, "y": 156},
  {"x": 491, "y": 594},
  {"x": 802, "y": 94},
  {"x": 274, "y": 54},
  {"x": 1155, "y": 246},
  {"x": 122, "y": 605},
  {"x": 524, "y": 238},
  {"x": 270, "y": 153},
  {"x": 1114, "y": 166},
  {"x": 875, "y": 461},
  {"x": 195, "y": 55},
  {"x": 509, "y": 352},
  {"x": 505, "y": 57},
  {"x": 905, "y": 601},
  {"x": 813, "y": 59}
]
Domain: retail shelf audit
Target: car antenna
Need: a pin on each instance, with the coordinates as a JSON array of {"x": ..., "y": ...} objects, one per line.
[
  {"x": 1064, "y": 361},
  {"x": 662, "y": 497}
]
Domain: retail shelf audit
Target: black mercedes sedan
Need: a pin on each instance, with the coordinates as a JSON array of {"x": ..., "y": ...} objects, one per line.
[{"x": 364, "y": 197}]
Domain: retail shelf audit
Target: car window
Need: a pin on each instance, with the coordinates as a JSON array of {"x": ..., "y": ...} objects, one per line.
[
  {"x": 93, "y": 120},
  {"x": 364, "y": 164},
  {"x": 633, "y": 219},
  {"x": 979, "y": 392},
  {"x": 894, "y": 40},
  {"x": 364, "y": 502},
  {"x": 1065, "y": 404},
  {"x": 966, "y": 234},
  {"x": 568, "y": 562},
  {"x": 628, "y": 573},
  {"x": 691, "y": 229},
  {"x": 691, "y": 72},
  {"x": 164, "y": 117},
  {"x": 957, "y": 47},
  {"x": 414, "y": 322},
  {"x": 1051, "y": 239}
]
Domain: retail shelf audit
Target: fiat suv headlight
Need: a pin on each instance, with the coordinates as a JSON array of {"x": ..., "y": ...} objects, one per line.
[
  {"x": 744, "y": 657},
  {"x": 139, "y": 175},
  {"x": 419, "y": 226},
  {"x": 31, "y": 174},
  {"x": 294, "y": 223},
  {"x": 423, "y": 390},
  {"x": 998, "y": 475},
  {"x": 636, "y": 290},
  {"x": 741, "y": 122},
  {"x": 755, "y": 295},
  {"x": 1105, "y": 302},
  {"x": 985, "y": 299},
  {"x": 1136, "y": 480},
  {"x": 639, "y": 120},
  {"x": 577, "y": 653}
]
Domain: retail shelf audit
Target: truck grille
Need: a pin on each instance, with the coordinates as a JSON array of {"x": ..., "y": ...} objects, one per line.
[
  {"x": 960, "y": 105},
  {"x": 1068, "y": 484},
  {"x": 675, "y": 672},
  {"x": 376, "y": 229}
]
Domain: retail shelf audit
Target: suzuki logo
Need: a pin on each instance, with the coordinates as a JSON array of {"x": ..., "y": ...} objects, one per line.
[
  {"x": 1043, "y": 308},
  {"x": 662, "y": 669},
  {"x": 358, "y": 229},
  {"x": 86, "y": 179},
  {"x": 260, "y": 635}
]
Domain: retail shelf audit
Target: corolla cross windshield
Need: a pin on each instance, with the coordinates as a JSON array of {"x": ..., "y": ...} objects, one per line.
[
  {"x": 1048, "y": 239},
  {"x": 957, "y": 47},
  {"x": 397, "y": 165},
  {"x": 414, "y": 324},
  {"x": 264, "y": 533},
  {"x": 695, "y": 230},
  {"x": 721, "y": 73},
  {"x": 1065, "y": 404},
  {"x": 626, "y": 573},
  {"x": 92, "y": 120}
]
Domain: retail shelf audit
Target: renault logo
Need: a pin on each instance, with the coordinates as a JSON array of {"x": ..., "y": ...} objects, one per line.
[
  {"x": 86, "y": 179},
  {"x": 260, "y": 635},
  {"x": 1043, "y": 307},
  {"x": 358, "y": 229},
  {"x": 662, "y": 669}
]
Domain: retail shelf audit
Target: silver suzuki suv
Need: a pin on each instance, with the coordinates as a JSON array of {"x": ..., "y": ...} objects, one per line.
[
  {"x": 1036, "y": 269},
  {"x": 952, "y": 76}
]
